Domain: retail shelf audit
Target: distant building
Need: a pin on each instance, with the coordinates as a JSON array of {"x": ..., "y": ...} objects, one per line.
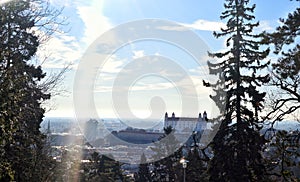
[
  {"x": 134, "y": 135},
  {"x": 186, "y": 124}
]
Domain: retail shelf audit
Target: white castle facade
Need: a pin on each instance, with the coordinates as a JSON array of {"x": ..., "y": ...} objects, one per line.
[{"x": 186, "y": 124}]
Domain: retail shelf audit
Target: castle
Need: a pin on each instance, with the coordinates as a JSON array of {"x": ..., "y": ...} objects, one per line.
[{"x": 186, "y": 124}]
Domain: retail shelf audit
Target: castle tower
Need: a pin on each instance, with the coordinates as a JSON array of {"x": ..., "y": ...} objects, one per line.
[
  {"x": 205, "y": 116},
  {"x": 166, "y": 116},
  {"x": 199, "y": 117}
]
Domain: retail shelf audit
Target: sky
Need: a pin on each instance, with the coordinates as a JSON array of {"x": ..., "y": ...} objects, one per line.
[{"x": 146, "y": 93}]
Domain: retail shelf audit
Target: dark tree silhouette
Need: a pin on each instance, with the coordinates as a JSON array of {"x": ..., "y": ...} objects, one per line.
[
  {"x": 281, "y": 156},
  {"x": 167, "y": 156},
  {"x": 22, "y": 157},
  {"x": 102, "y": 168},
  {"x": 237, "y": 144},
  {"x": 143, "y": 173}
]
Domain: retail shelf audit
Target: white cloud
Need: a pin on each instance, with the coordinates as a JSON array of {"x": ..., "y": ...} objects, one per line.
[
  {"x": 138, "y": 87},
  {"x": 174, "y": 28},
  {"x": 206, "y": 25},
  {"x": 65, "y": 49},
  {"x": 157, "y": 54},
  {"x": 113, "y": 65},
  {"x": 138, "y": 54},
  {"x": 62, "y": 50},
  {"x": 63, "y": 3},
  {"x": 102, "y": 89},
  {"x": 94, "y": 21},
  {"x": 197, "y": 25},
  {"x": 200, "y": 70},
  {"x": 264, "y": 26},
  {"x": 152, "y": 86}
]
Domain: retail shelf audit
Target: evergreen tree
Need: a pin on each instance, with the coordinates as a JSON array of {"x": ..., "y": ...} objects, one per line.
[
  {"x": 68, "y": 168},
  {"x": 167, "y": 156},
  {"x": 102, "y": 168},
  {"x": 22, "y": 156},
  {"x": 197, "y": 166},
  {"x": 237, "y": 144},
  {"x": 143, "y": 173},
  {"x": 282, "y": 155}
]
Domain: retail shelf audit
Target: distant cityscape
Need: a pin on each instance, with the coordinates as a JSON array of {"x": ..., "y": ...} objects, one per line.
[
  {"x": 125, "y": 143},
  {"x": 69, "y": 125},
  {"x": 114, "y": 137}
]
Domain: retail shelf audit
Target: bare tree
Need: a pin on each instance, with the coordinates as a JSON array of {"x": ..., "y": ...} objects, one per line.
[{"x": 285, "y": 73}]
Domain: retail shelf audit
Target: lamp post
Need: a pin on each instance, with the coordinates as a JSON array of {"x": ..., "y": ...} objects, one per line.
[{"x": 184, "y": 162}]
